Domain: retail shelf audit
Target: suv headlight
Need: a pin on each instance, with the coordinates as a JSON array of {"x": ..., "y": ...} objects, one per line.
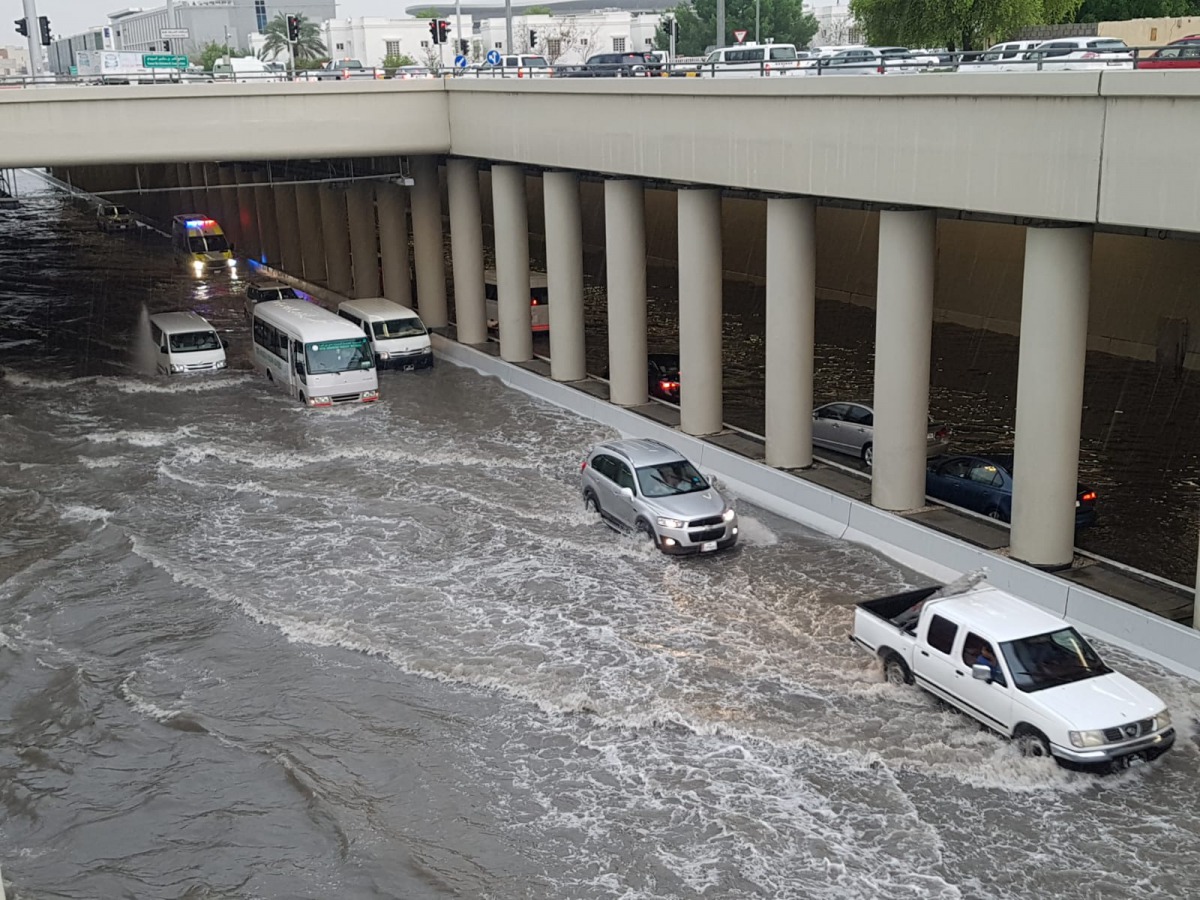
[
  {"x": 383, "y": 354},
  {"x": 1087, "y": 738},
  {"x": 728, "y": 514},
  {"x": 669, "y": 523},
  {"x": 1162, "y": 720}
]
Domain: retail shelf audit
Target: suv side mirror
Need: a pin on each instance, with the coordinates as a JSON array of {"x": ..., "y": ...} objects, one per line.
[{"x": 627, "y": 493}]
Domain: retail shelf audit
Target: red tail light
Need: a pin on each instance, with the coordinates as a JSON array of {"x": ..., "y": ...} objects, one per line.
[
  {"x": 1088, "y": 497},
  {"x": 583, "y": 465},
  {"x": 943, "y": 433},
  {"x": 669, "y": 385},
  {"x": 533, "y": 301}
]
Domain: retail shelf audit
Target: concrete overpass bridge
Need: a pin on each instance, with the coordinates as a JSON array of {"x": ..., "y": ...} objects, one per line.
[{"x": 1075, "y": 174}]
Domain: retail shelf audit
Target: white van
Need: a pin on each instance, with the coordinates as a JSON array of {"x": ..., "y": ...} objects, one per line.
[
  {"x": 751, "y": 61},
  {"x": 316, "y": 357},
  {"x": 539, "y": 300},
  {"x": 186, "y": 343},
  {"x": 397, "y": 334},
  {"x": 245, "y": 69}
]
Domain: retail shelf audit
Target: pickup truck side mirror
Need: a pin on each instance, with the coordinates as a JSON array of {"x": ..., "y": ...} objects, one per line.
[{"x": 980, "y": 672}]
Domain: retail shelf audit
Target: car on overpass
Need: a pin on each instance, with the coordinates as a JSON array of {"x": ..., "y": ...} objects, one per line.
[
  {"x": 984, "y": 484},
  {"x": 612, "y": 65},
  {"x": 1077, "y": 54},
  {"x": 1181, "y": 54},
  {"x": 850, "y": 428}
]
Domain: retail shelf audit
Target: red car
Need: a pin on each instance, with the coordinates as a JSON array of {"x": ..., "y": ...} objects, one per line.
[{"x": 1181, "y": 54}]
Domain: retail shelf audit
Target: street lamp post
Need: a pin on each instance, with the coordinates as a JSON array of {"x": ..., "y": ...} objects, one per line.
[
  {"x": 757, "y": 18},
  {"x": 720, "y": 23}
]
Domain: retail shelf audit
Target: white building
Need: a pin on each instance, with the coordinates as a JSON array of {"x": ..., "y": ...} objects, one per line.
[
  {"x": 371, "y": 40},
  {"x": 837, "y": 26},
  {"x": 14, "y": 62},
  {"x": 571, "y": 39}
]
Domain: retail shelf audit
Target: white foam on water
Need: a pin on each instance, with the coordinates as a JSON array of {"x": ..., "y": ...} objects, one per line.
[
  {"x": 76, "y": 513},
  {"x": 197, "y": 384},
  {"x": 753, "y": 531},
  {"x": 140, "y": 438}
]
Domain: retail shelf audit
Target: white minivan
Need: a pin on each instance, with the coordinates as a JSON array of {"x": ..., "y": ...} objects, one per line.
[
  {"x": 751, "y": 61},
  {"x": 186, "y": 343},
  {"x": 397, "y": 334}
]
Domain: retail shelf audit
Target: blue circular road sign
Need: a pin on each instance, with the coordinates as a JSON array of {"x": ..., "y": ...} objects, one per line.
[
  {"x": 493, "y": 57},
  {"x": 460, "y": 61}
]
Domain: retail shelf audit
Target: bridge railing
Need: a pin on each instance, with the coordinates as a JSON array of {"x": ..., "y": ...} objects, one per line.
[{"x": 914, "y": 63}]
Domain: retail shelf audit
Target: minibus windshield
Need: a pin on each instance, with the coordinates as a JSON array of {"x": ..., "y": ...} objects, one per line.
[
  {"x": 347, "y": 355},
  {"x": 399, "y": 328},
  {"x": 194, "y": 341}
]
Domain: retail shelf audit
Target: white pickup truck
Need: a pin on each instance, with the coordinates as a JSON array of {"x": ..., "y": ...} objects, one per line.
[{"x": 1016, "y": 668}]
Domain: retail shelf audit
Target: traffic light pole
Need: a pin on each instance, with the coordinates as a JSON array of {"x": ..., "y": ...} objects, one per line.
[{"x": 33, "y": 35}]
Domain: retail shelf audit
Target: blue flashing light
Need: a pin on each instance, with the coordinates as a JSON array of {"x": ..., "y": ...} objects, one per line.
[{"x": 199, "y": 223}]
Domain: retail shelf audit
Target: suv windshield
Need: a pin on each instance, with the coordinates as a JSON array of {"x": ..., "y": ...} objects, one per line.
[
  {"x": 399, "y": 328},
  {"x": 1050, "y": 660},
  {"x": 193, "y": 341},
  {"x": 669, "y": 479},
  {"x": 347, "y": 355}
]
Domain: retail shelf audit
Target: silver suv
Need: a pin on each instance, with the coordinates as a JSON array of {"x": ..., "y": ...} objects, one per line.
[{"x": 645, "y": 486}]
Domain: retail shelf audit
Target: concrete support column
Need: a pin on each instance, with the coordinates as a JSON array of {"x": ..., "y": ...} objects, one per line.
[
  {"x": 287, "y": 220},
  {"x": 169, "y": 205},
  {"x": 700, "y": 310},
  {"x": 229, "y": 220},
  {"x": 268, "y": 225},
  {"x": 198, "y": 173},
  {"x": 564, "y": 275},
  {"x": 312, "y": 236},
  {"x": 247, "y": 215},
  {"x": 335, "y": 227},
  {"x": 903, "y": 335},
  {"x": 364, "y": 238},
  {"x": 391, "y": 200},
  {"x": 625, "y": 245},
  {"x": 791, "y": 332},
  {"x": 429, "y": 258},
  {"x": 466, "y": 250},
  {"x": 183, "y": 197},
  {"x": 511, "y": 220},
  {"x": 1054, "y": 318}
]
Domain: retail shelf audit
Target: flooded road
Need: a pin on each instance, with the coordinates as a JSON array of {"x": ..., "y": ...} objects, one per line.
[{"x": 251, "y": 650}]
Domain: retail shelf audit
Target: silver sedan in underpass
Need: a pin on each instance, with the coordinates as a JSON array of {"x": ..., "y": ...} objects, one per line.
[{"x": 850, "y": 428}]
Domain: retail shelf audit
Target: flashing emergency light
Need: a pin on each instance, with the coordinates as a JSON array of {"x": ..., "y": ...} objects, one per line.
[{"x": 200, "y": 223}]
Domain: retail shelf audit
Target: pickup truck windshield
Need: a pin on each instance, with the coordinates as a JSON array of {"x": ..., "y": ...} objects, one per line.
[{"x": 1050, "y": 660}]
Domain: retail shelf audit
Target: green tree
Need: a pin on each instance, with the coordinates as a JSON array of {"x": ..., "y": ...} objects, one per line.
[
  {"x": 395, "y": 62},
  {"x": 783, "y": 21},
  {"x": 537, "y": 11},
  {"x": 956, "y": 24},
  {"x": 213, "y": 52},
  {"x": 310, "y": 45},
  {"x": 429, "y": 13},
  {"x": 1122, "y": 10}
]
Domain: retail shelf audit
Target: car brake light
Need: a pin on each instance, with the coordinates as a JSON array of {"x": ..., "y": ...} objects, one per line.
[
  {"x": 1089, "y": 496},
  {"x": 583, "y": 465},
  {"x": 943, "y": 433},
  {"x": 668, "y": 385},
  {"x": 533, "y": 301}
]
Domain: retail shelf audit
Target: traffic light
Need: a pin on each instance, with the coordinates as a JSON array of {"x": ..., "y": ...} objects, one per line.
[
  {"x": 166, "y": 46},
  {"x": 464, "y": 46},
  {"x": 22, "y": 27},
  {"x": 44, "y": 25},
  {"x": 433, "y": 32},
  {"x": 443, "y": 31},
  {"x": 293, "y": 28},
  {"x": 532, "y": 38}
]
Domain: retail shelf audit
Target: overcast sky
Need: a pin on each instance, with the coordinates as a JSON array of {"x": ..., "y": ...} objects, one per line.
[{"x": 73, "y": 16}]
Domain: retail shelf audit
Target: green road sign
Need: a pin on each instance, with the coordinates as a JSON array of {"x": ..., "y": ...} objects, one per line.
[{"x": 161, "y": 61}]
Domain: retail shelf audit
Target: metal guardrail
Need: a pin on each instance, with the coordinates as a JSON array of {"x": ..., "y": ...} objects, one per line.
[{"x": 1127, "y": 58}]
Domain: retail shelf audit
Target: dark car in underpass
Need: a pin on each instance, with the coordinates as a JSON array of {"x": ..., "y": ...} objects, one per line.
[
  {"x": 662, "y": 376},
  {"x": 984, "y": 484}
]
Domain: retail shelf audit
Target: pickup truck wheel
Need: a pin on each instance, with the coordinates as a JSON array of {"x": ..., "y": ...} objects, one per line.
[
  {"x": 1032, "y": 743},
  {"x": 895, "y": 671}
]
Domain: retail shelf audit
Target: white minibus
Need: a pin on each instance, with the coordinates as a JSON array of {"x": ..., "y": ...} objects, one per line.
[
  {"x": 320, "y": 359},
  {"x": 539, "y": 300},
  {"x": 397, "y": 334},
  {"x": 186, "y": 343}
]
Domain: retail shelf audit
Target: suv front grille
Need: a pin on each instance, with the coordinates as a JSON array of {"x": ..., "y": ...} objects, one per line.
[
  {"x": 1130, "y": 731},
  {"x": 711, "y": 534},
  {"x": 711, "y": 520}
]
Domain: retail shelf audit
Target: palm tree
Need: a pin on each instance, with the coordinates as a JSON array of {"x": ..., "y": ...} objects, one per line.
[{"x": 310, "y": 45}]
